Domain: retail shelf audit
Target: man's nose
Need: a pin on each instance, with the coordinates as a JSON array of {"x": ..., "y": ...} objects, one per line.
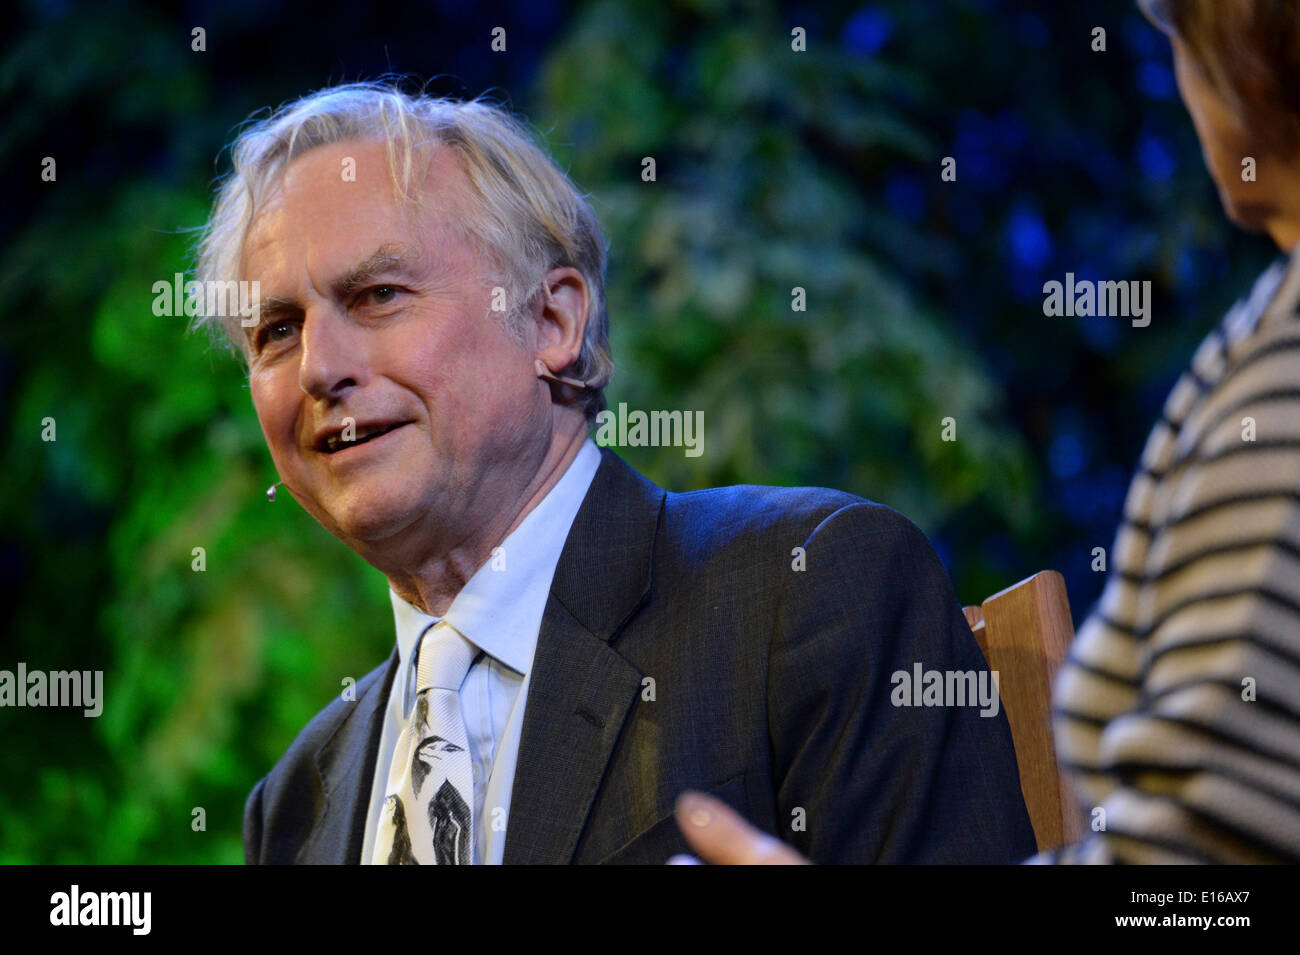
[{"x": 333, "y": 357}]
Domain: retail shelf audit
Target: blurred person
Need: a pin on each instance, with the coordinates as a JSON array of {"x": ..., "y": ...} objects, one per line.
[
  {"x": 585, "y": 645},
  {"x": 1178, "y": 708}
]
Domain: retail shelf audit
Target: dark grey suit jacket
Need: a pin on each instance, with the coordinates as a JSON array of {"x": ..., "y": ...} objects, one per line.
[{"x": 771, "y": 689}]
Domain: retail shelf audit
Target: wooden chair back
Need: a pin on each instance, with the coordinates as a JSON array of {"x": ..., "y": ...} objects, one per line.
[{"x": 1025, "y": 632}]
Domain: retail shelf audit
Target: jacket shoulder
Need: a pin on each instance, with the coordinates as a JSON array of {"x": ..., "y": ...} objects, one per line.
[
  {"x": 323, "y": 725},
  {"x": 283, "y": 807},
  {"x": 746, "y": 512}
]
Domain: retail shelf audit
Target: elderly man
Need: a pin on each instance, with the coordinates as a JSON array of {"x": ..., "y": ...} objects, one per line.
[{"x": 430, "y": 350}]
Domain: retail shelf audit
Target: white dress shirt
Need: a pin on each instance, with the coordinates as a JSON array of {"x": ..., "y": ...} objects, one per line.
[{"x": 499, "y": 610}]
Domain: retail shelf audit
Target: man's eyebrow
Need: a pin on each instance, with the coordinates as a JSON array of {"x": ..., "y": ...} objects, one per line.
[
  {"x": 390, "y": 258},
  {"x": 271, "y": 309}
]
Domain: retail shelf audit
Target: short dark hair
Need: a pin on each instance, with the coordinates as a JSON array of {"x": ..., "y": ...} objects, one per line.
[{"x": 1249, "y": 51}]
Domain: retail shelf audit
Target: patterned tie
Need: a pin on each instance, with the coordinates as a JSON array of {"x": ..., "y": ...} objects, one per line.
[{"x": 428, "y": 817}]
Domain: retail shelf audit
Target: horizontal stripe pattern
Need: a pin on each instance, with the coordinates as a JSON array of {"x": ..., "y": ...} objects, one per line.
[{"x": 1177, "y": 711}]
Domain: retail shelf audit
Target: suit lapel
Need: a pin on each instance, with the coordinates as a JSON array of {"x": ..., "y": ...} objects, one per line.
[
  {"x": 346, "y": 764},
  {"x": 581, "y": 688}
]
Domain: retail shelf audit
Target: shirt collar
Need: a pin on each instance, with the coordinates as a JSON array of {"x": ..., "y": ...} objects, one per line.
[{"x": 500, "y": 608}]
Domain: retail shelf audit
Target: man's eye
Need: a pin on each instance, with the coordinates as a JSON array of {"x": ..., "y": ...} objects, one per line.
[
  {"x": 272, "y": 333},
  {"x": 382, "y": 294}
]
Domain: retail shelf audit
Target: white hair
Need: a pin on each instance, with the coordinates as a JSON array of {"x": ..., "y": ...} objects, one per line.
[{"x": 525, "y": 213}]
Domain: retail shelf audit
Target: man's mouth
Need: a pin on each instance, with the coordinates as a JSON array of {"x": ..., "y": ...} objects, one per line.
[{"x": 334, "y": 442}]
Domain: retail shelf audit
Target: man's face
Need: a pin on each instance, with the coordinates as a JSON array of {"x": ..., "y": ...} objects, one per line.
[{"x": 381, "y": 316}]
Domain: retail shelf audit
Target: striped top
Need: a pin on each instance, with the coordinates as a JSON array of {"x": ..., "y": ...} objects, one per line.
[{"x": 1177, "y": 712}]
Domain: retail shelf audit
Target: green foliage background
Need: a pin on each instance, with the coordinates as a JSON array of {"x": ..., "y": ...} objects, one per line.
[{"x": 770, "y": 169}]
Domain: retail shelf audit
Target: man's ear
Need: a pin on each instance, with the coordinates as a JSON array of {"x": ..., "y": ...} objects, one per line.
[{"x": 562, "y": 318}]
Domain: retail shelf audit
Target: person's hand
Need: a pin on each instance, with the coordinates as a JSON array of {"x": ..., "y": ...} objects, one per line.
[{"x": 722, "y": 837}]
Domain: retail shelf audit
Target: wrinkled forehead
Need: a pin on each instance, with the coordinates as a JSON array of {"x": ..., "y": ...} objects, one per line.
[{"x": 337, "y": 191}]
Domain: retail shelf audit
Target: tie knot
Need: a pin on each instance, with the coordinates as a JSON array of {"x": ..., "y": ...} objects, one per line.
[{"x": 444, "y": 658}]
